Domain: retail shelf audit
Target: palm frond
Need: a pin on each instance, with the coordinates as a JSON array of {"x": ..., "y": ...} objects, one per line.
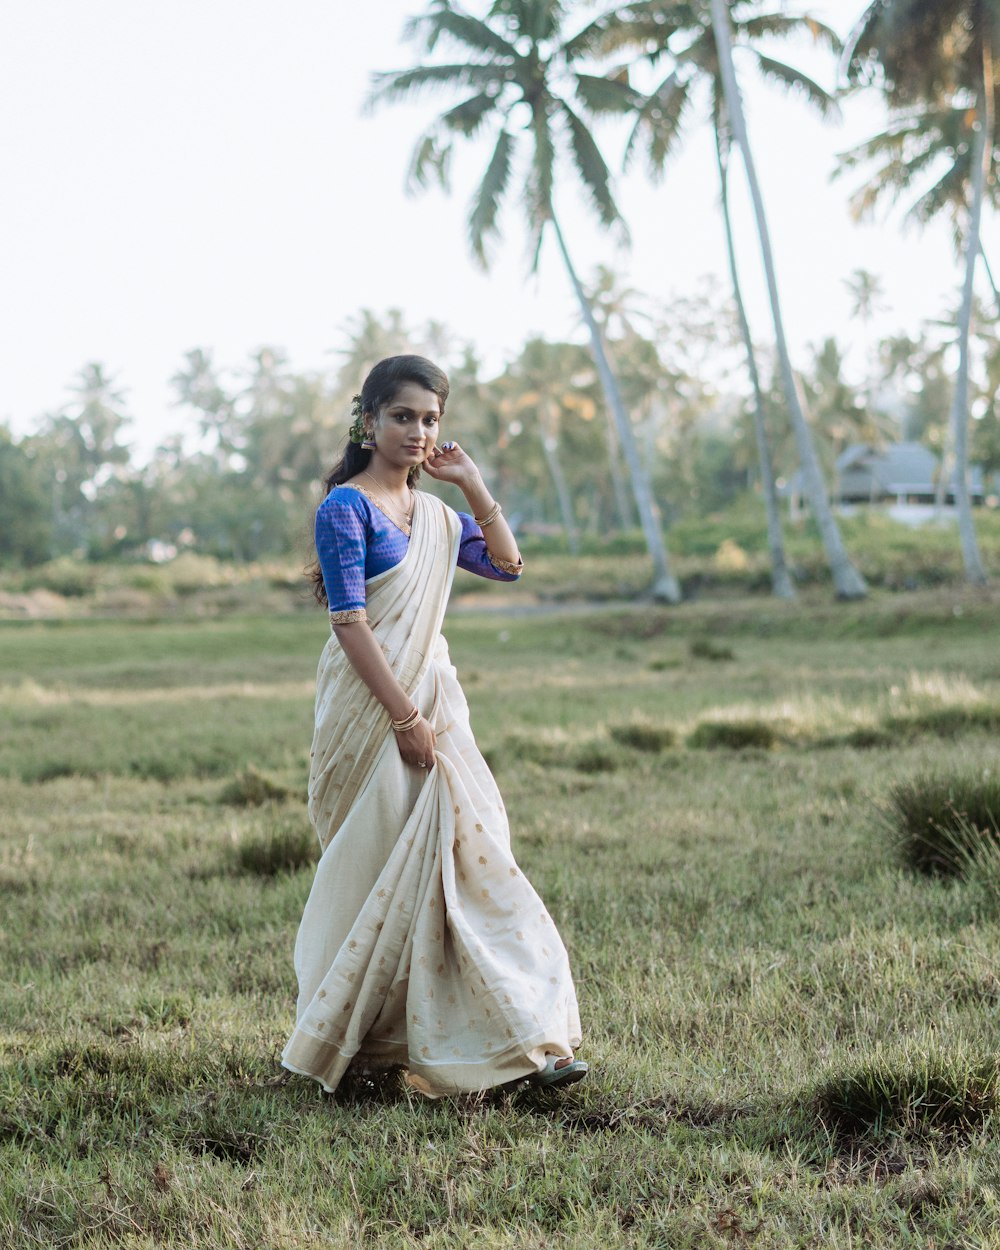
[
  {"x": 794, "y": 80},
  {"x": 918, "y": 49},
  {"x": 647, "y": 25},
  {"x": 540, "y": 175},
  {"x": 489, "y": 196},
  {"x": 607, "y": 95},
  {"x": 723, "y": 131},
  {"x": 539, "y": 18},
  {"x": 659, "y": 123},
  {"x": 449, "y": 20},
  {"x": 916, "y": 145},
  {"x": 467, "y": 117},
  {"x": 396, "y": 85},
  {"x": 908, "y": 133},
  {"x": 592, "y": 167},
  {"x": 783, "y": 25},
  {"x": 430, "y": 159},
  {"x": 949, "y": 192},
  {"x": 857, "y": 64}
]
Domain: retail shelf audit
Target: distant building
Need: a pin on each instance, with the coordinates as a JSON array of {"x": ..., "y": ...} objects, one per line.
[{"x": 901, "y": 478}]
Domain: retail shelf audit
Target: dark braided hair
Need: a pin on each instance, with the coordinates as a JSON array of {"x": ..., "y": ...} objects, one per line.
[{"x": 379, "y": 390}]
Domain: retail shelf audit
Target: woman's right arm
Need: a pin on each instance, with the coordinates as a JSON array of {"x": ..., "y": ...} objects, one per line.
[
  {"x": 416, "y": 745},
  {"x": 341, "y": 539}
]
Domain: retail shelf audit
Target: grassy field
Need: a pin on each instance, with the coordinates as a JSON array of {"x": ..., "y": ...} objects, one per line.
[{"x": 793, "y": 1038}]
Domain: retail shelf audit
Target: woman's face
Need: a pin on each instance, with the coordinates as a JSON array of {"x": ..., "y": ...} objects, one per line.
[{"x": 406, "y": 430}]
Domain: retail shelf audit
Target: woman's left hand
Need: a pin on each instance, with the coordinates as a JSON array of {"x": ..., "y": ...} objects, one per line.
[{"x": 449, "y": 463}]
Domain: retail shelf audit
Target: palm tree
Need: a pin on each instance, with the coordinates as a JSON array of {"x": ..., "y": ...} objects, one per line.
[
  {"x": 519, "y": 66},
  {"x": 541, "y": 381},
  {"x": 866, "y": 294},
  {"x": 936, "y": 57},
  {"x": 196, "y": 385},
  {"x": 658, "y": 124},
  {"x": 847, "y": 580},
  {"x": 781, "y": 581}
]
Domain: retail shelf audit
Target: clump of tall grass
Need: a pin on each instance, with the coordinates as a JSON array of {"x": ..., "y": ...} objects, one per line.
[
  {"x": 947, "y": 825},
  {"x": 252, "y": 788},
  {"x": 283, "y": 845},
  {"x": 643, "y": 736},
  {"x": 734, "y": 735},
  {"x": 589, "y": 756},
  {"x": 946, "y": 722},
  {"x": 860, "y": 738},
  {"x": 706, "y": 649},
  {"x": 909, "y": 1094}
]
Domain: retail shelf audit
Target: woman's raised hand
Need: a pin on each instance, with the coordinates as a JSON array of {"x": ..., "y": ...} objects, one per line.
[
  {"x": 416, "y": 745},
  {"x": 449, "y": 463}
]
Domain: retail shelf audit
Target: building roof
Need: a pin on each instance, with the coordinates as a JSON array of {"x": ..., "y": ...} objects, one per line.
[{"x": 897, "y": 469}]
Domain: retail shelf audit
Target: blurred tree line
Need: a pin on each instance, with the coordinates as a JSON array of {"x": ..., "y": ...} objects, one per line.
[{"x": 242, "y": 481}]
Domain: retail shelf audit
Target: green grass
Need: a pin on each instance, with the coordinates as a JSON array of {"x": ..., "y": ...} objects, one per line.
[
  {"x": 792, "y": 1036},
  {"x": 948, "y": 825}
]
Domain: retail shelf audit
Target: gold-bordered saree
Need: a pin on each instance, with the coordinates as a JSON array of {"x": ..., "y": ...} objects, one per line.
[{"x": 422, "y": 943}]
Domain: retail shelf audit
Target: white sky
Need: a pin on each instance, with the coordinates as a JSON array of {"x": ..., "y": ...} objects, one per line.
[{"x": 198, "y": 173}]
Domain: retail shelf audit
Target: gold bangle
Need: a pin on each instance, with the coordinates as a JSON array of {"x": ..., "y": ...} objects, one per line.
[
  {"x": 490, "y": 516},
  {"x": 406, "y": 722}
]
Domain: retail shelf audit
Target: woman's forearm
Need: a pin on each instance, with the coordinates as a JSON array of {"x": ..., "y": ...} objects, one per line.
[
  {"x": 500, "y": 540},
  {"x": 365, "y": 656}
]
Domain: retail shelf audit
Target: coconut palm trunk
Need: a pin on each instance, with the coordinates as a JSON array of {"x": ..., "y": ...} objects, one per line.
[
  {"x": 974, "y": 571},
  {"x": 989, "y": 277},
  {"x": 665, "y": 585},
  {"x": 550, "y": 449},
  {"x": 781, "y": 582},
  {"x": 623, "y": 504},
  {"x": 848, "y": 582}
]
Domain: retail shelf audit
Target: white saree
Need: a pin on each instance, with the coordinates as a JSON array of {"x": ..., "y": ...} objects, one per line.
[{"x": 422, "y": 943}]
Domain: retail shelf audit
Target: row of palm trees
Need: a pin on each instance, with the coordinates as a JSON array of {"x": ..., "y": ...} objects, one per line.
[{"x": 535, "y": 88}]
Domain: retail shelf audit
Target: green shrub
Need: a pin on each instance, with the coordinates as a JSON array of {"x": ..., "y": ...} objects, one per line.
[
  {"x": 734, "y": 735},
  {"x": 946, "y": 722},
  {"x": 897, "y": 1093},
  {"x": 284, "y": 846},
  {"x": 861, "y": 738},
  {"x": 593, "y": 757},
  {"x": 644, "y": 737},
  {"x": 945, "y": 824},
  {"x": 251, "y": 788},
  {"x": 706, "y": 649},
  {"x": 867, "y": 738},
  {"x": 65, "y": 576}
]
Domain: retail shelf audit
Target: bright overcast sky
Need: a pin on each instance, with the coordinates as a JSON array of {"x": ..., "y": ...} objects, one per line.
[{"x": 199, "y": 173}]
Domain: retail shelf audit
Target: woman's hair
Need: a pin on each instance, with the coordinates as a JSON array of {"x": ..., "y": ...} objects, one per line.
[{"x": 378, "y": 391}]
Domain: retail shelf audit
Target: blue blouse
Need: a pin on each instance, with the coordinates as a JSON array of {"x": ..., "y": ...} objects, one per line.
[{"x": 356, "y": 541}]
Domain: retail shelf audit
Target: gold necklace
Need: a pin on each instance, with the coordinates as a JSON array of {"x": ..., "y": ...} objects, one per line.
[{"x": 406, "y": 515}]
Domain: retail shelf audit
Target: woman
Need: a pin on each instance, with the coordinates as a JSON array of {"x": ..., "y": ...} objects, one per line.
[{"x": 422, "y": 944}]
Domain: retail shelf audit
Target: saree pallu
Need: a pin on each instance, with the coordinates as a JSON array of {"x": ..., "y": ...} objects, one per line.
[{"x": 422, "y": 943}]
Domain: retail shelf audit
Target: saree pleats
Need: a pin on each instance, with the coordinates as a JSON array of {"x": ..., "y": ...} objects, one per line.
[{"x": 422, "y": 943}]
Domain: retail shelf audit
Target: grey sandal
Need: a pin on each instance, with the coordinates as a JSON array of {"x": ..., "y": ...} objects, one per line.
[{"x": 551, "y": 1076}]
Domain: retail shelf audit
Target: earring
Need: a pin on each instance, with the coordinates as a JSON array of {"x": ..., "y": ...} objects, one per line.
[{"x": 368, "y": 442}]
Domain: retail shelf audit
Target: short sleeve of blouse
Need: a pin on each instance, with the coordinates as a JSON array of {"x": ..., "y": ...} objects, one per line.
[
  {"x": 474, "y": 557},
  {"x": 341, "y": 543}
]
